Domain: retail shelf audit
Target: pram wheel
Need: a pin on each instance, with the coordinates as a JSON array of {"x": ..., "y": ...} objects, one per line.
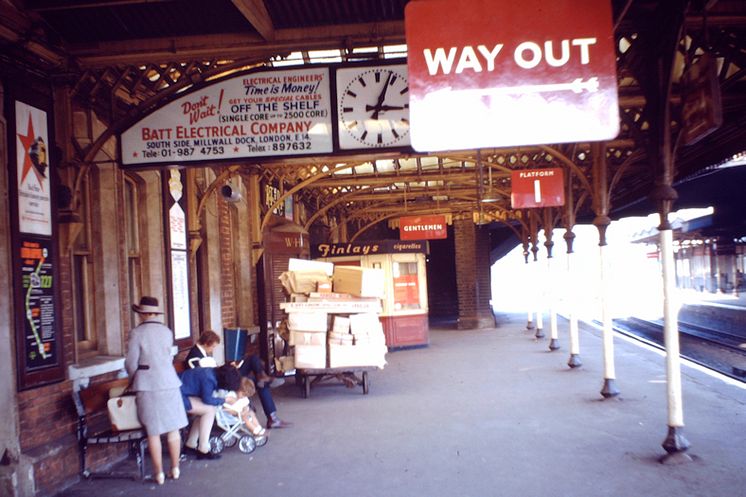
[
  {"x": 261, "y": 440},
  {"x": 229, "y": 440},
  {"x": 247, "y": 444},
  {"x": 216, "y": 444}
]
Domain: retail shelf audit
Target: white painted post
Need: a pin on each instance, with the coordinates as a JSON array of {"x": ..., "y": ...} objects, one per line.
[
  {"x": 539, "y": 303},
  {"x": 609, "y": 389},
  {"x": 675, "y": 442},
  {"x": 671, "y": 333},
  {"x": 551, "y": 295},
  {"x": 536, "y": 277},
  {"x": 574, "y": 360}
]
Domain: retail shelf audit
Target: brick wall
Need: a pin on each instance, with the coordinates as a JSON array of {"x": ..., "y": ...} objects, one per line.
[
  {"x": 227, "y": 274},
  {"x": 65, "y": 307},
  {"x": 482, "y": 262},
  {"x": 48, "y": 426},
  {"x": 48, "y": 421},
  {"x": 472, "y": 274},
  {"x": 48, "y": 436}
]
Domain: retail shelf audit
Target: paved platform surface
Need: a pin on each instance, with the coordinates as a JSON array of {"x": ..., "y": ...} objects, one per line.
[{"x": 484, "y": 413}]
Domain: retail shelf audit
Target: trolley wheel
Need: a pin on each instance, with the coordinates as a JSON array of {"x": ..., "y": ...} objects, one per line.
[
  {"x": 216, "y": 444},
  {"x": 261, "y": 440},
  {"x": 306, "y": 386},
  {"x": 247, "y": 444},
  {"x": 366, "y": 383},
  {"x": 229, "y": 441}
]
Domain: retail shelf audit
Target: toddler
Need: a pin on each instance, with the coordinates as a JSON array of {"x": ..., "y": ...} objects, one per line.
[{"x": 237, "y": 403}]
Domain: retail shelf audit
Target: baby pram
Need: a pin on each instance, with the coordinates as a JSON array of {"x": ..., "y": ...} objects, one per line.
[{"x": 228, "y": 419}]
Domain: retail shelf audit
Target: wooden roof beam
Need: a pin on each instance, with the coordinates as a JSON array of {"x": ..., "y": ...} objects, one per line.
[
  {"x": 234, "y": 45},
  {"x": 256, "y": 13},
  {"x": 17, "y": 28},
  {"x": 386, "y": 179},
  {"x": 51, "y": 6},
  {"x": 467, "y": 192}
]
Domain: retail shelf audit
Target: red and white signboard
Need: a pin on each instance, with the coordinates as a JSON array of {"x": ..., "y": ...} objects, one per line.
[
  {"x": 537, "y": 188},
  {"x": 487, "y": 73},
  {"x": 423, "y": 228}
]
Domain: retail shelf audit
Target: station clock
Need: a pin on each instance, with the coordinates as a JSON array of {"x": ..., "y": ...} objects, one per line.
[{"x": 373, "y": 106}]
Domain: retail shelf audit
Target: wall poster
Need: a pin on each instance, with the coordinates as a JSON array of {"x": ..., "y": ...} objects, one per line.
[
  {"x": 177, "y": 241},
  {"x": 180, "y": 292},
  {"x": 33, "y": 171},
  {"x": 38, "y": 329},
  {"x": 37, "y": 281}
]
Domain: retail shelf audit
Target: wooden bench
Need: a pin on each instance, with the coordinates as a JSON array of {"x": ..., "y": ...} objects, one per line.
[{"x": 94, "y": 428}]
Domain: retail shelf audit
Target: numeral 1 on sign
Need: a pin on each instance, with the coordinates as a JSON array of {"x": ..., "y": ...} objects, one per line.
[{"x": 537, "y": 191}]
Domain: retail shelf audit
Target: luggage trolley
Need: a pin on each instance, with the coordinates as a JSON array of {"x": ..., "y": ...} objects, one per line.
[{"x": 351, "y": 377}]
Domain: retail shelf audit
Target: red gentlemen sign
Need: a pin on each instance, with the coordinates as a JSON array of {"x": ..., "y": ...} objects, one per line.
[
  {"x": 422, "y": 228},
  {"x": 487, "y": 73},
  {"x": 537, "y": 188}
]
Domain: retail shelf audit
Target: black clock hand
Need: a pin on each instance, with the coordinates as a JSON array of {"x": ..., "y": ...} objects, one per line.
[
  {"x": 381, "y": 98},
  {"x": 382, "y": 108}
]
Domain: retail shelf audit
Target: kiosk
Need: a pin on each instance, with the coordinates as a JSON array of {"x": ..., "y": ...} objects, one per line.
[{"x": 405, "y": 308}]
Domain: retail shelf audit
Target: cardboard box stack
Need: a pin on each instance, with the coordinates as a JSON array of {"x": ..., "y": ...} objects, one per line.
[{"x": 335, "y": 328}]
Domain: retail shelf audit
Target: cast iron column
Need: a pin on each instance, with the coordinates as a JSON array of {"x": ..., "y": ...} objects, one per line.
[
  {"x": 550, "y": 290},
  {"x": 524, "y": 240},
  {"x": 535, "y": 250},
  {"x": 660, "y": 46},
  {"x": 572, "y": 291},
  {"x": 602, "y": 221}
]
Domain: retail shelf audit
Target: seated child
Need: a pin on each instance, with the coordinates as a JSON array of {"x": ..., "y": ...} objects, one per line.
[{"x": 237, "y": 403}]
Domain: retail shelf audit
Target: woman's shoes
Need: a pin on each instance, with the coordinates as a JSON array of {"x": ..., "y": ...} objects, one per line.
[
  {"x": 160, "y": 478},
  {"x": 189, "y": 451},
  {"x": 208, "y": 455}
]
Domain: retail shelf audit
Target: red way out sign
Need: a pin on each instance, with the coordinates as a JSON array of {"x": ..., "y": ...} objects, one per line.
[
  {"x": 537, "y": 188},
  {"x": 487, "y": 73}
]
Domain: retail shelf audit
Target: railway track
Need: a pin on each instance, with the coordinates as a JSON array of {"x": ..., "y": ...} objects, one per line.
[{"x": 714, "y": 349}]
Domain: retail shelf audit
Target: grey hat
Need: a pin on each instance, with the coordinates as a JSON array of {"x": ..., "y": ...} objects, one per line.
[{"x": 147, "y": 305}]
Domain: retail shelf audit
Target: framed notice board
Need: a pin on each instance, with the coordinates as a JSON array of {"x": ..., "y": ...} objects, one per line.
[{"x": 38, "y": 328}]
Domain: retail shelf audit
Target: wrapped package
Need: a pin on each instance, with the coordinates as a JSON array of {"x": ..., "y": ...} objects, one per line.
[{"x": 303, "y": 281}]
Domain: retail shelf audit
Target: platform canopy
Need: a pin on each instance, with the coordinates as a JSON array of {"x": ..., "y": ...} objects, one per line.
[{"x": 127, "y": 58}]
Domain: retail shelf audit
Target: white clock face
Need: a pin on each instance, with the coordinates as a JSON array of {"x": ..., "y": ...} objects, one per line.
[{"x": 373, "y": 107}]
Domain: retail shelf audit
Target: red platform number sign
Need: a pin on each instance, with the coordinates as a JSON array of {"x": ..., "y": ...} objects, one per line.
[
  {"x": 488, "y": 73},
  {"x": 537, "y": 188}
]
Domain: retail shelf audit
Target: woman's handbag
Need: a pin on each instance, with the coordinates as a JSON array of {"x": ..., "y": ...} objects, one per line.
[
  {"x": 123, "y": 413},
  {"x": 122, "y": 407}
]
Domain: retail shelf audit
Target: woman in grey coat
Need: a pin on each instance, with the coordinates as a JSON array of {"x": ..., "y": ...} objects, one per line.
[{"x": 159, "y": 404}]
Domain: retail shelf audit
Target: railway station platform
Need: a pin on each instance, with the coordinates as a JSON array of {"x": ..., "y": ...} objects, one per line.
[
  {"x": 721, "y": 312},
  {"x": 715, "y": 299},
  {"x": 485, "y": 413}
]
